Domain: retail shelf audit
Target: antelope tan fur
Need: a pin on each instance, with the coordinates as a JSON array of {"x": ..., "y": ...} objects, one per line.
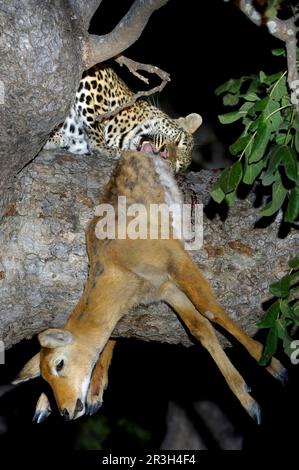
[{"x": 123, "y": 273}]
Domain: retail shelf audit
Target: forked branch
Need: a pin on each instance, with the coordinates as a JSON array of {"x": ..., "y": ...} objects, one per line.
[{"x": 97, "y": 49}]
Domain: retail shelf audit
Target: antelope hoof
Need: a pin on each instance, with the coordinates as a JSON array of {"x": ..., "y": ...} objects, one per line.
[
  {"x": 42, "y": 410},
  {"x": 282, "y": 375},
  {"x": 40, "y": 416},
  {"x": 255, "y": 412},
  {"x": 92, "y": 408}
]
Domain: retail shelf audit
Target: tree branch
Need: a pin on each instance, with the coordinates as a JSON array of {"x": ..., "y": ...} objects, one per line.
[
  {"x": 285, "y": 30},
  {"x": 97, "y": 49},
  {"x": 84, "y": 10},
  {"x": 43, "y": 261},
  {"x": 134, "y": 66}
]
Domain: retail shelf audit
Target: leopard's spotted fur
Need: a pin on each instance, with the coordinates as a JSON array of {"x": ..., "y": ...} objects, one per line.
[{"x": 101, "y": 90}]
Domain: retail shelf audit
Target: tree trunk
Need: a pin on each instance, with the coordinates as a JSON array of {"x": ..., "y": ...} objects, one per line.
[
  {"x": 205, "y": 428},
  {"x": 40, "y": 71},
  {"x": 44, "y": 48},
  {"x": 43, "y": 262}
]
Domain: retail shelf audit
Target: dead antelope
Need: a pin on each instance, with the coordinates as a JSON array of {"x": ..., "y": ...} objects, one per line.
[{"x": 123, "y": 273}]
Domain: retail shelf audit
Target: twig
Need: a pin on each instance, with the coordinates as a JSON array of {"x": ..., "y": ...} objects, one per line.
[
  {"x": 134, "y": 66},
  {"x": 285, "y": 30}
]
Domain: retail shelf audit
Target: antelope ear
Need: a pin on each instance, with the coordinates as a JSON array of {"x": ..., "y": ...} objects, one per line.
[
  {"x": 54, "y": 338},
  {"x": 29, "y": 371},
  {"x": 190, "y": 123}
]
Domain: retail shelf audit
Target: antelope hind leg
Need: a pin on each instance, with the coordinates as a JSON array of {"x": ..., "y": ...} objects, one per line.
[
  {"x": 191, "y": 281},
  {"x": 201, "y": 328},
  {"x": 99, "y": 379}
]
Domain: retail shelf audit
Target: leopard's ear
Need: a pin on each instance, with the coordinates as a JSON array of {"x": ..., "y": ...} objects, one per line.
[{"x": 190, "y": 123}]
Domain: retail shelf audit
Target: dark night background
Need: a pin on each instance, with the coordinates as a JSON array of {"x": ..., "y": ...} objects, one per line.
[{"x": 201, "y": 44}]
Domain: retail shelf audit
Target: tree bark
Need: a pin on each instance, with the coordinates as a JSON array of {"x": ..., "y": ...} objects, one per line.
[
  {"x": 204, "y": 427},
  {"x": 43, "y": 262},
  {"x": 40, "y": 71},
  {"x": 44, "y": 48}
]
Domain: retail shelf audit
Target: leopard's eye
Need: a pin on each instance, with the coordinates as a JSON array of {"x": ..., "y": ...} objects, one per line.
[{"x": 60, "y": 366}]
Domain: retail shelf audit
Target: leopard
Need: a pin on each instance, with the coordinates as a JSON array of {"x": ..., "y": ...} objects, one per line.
[{"x": 87, "y": 130}]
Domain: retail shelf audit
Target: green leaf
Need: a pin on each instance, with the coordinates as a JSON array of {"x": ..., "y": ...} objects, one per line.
[
  {"x": 239, "y": 144},
  {"x": 279, "y": 89},
  {"x": 288, "y": 312},
  {"x": 283, "y": 138},
  {"x": 270, "y": 178},
  {"x": 269, "y": 79},
  {"x": 273, "y": 78},
  {"x": 278, "y": 52},
  {"x": 282, "y": 287},
  {"x": 231, "y": 178},
  {"x": 236, "y": 85},
  {"x": 272, "y": 115},
  {"x": 294, "y": 263},
  {"x": 285, "y": 101},
  {"x": 274, "y": 157},
  {"x": 228, "y": 118},
  {"x": 254, "y": 86},
  {"x": 262, "y": 76},
  {"x": 292, "y": 211},
  {"x": 297, "y": 132},
  {"x": 251, "y": 96},
  {"x": 270, "y": 347},
  {"x": 230, "y": 198},
  {"x": 231, "y": 85},
  {"x": 230, "y": 99},
  {"x": 253, "y": 125},
  {"x": 283, "y": 334},
  {"x": 252, "y": 171},
  {"x": 270, "y": 316},
  {"x": 261, "y": 104},
  {"x": 286, "y": 309},
  {"x": 279, "y": 193},
  {"x": 260, "y": 143},
  {"x": 283, "y": 154},
  {"x": 296, "y": 309},
  {"x": 289, "y": 160},
  {"x": 246, "y": 106},
  {"x": 217, "y": 194}
]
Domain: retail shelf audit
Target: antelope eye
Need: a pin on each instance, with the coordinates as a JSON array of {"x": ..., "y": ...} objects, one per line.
[{"x": 60, "y": 365}]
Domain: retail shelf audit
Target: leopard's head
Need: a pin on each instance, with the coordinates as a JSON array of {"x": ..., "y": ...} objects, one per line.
[{"x": 176, "y": 142}]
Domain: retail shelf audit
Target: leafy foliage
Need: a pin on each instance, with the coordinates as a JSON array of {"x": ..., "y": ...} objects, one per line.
[
  {"x": 282, "y": 317},
  {"x": 267, "y": 148}
]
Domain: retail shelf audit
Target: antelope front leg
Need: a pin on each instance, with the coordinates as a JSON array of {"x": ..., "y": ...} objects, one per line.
[
  {"x": 99, "y": 379},
  {"x": 201, "y": 328}
]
